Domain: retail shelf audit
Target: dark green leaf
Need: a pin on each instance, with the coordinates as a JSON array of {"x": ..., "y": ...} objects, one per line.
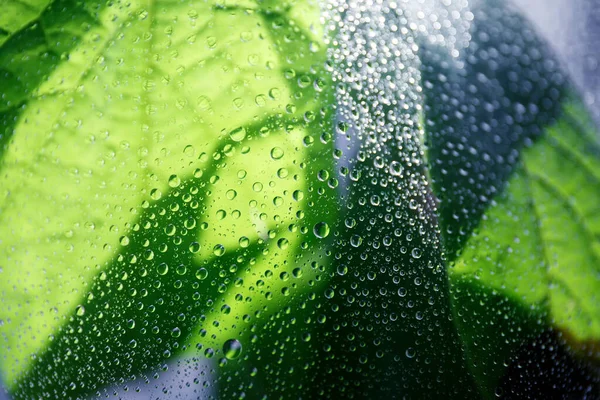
[{"x": 515, "y": 171}]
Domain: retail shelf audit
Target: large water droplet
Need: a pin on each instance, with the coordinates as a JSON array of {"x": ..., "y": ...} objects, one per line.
[
  {"x": 238, "y": 134},
  {"x": 80, "y": 311},
  {"x": 174, "y": 181},
  {"x": 276, "y": 153},
  {"x": 201, "y": 274},
  {"x": 232, "y": 349},
  {"x": 321, "y": 230}
]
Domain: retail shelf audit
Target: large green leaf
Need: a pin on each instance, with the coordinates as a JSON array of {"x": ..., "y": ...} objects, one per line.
[
  {"x": 515, "y": 171},
  {"x": 179, "y": 131},
  {"x": 392, "y": 206},
  {"x": 537, "y": 248}
]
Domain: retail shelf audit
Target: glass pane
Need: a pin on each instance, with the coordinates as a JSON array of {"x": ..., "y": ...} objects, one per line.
[{"x": 272, "y": 199}]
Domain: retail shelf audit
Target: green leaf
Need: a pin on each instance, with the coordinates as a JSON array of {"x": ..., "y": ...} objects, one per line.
[
  {"x": 39, "y": 37},
  {"x": 516, "y": 176},
  {"x": 18, "y": 14},
  {"x": 179, "y": 131},
  {"x": 537, "y": 246},
  {"x": 386, "y": 206}
]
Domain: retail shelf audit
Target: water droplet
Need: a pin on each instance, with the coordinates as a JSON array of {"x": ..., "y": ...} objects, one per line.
[
  {"x": 356, "y": 240},
  {"x": 232, "y": 349},
  {"x": 204, "y": 103},
  {"x": 342, "y": 127},
  {"x": 194, "y": 247},
  {"x": 174, "y": 181},
  {"x": 148, "y": 254},
  {"x": 416, "y": 253},
  {"x": 282, "y": 173},
  {"x": 189, "y": 150},
  {"x": 231, "y": 194},
  {"x": 190, "y": 223},
  {"x": 244, "y": 242},
  {"x": 80, "y": 311},
  {"x": 277, "y": 201},
  {"x": 162, "y": 269},
  {"x": 321, "y": 230},
  {"x": 219, "y": 250},
  {"x": 276, "y": 153},
  {"x": 201, "y": 274},
  {"x": 322, "y": 175},
  {"x": 238, "y": 134},
  {"x": 155, "y": 194},
  {"x": 298, "y": 195},
  {"x": 274, "y": 93},
  {"x": 260, "y": 100},
  {"x": 396, "y": 168}
]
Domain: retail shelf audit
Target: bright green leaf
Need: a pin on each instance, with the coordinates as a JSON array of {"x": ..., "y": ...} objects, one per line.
[
  {"x": 397, "y": 203},
  {"x": 167, "y": 125}
]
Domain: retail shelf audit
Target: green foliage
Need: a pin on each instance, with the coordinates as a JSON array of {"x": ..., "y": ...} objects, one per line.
[
  {"x": 176, "y": 175},
  {"x": 171, "y": 142}
]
